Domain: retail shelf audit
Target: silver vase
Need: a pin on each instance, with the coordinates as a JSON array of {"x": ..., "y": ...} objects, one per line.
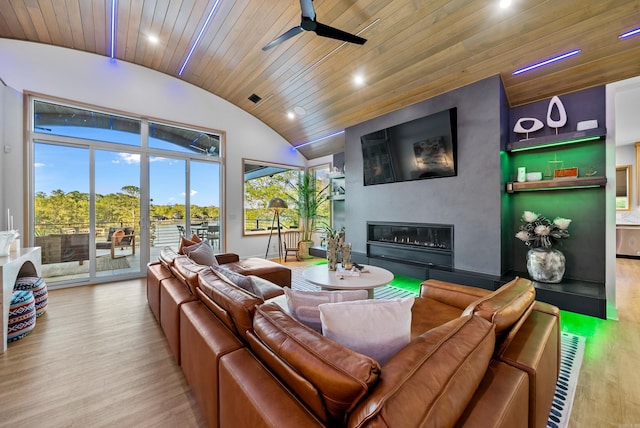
[{"x": 545, "y": 264}]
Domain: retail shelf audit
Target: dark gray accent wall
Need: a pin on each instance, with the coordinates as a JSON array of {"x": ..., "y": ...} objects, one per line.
[{"x": 471, "y": 201}]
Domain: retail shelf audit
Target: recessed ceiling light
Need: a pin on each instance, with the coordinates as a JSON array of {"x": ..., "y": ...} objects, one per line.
[
  {"x": 300, "y": 111},
  {"x": 505, "y": 3},
  {"x": 547, "y": 61},
  {"x": 358, "y": 79},
  {"x": 291, "y": 115},
  {"x": 152, "y": 39},
  {"x": 629, "y": 33}
]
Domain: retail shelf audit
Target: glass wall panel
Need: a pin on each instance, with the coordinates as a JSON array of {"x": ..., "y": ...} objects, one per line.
[
  {"x": 91, "y": 191},
  {"x": 61, "y": 210},
  {"x": 167, "y": 184},
  {"x": 57, "y": 119},
  {"x": 204, "y": 202},
  {"x": 183, "y": 140},
  {"x": 117, "y": 218}
]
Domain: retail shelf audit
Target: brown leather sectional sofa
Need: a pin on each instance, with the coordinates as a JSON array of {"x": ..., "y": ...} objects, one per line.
[{"x": 476, "y": 359}]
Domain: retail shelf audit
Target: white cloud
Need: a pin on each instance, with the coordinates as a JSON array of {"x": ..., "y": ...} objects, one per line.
[
  {"x": 193, "y": 192},
  {"x": 129, "y": 158},
  {"x": 38, "y": 164}
]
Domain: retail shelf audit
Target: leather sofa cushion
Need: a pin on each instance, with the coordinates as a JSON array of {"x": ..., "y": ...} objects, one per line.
[
  {"x": 187, "y": 270},
  {"x": 431, "y": 381},
  {"x": 328, "y": 377},
  {"x": 167, "y": 256},
  {"x": 272, "y": 271},
  {"x": 449, "y": 293},
  {"x": 233, "y": 305},
  {"x": 505, "y": 306},
  {"x": 427, "y": 314}
]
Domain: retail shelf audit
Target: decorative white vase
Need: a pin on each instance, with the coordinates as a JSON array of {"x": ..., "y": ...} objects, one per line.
[
  {"x": 6, "y": 239},
  {"x": 546, "y": 265}
]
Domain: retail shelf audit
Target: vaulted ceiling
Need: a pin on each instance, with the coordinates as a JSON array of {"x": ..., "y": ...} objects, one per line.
[{"x": 416, "y": 49}]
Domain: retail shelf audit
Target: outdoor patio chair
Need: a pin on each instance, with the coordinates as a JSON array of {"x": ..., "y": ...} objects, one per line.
[
  {"x": 119, "y": 237},
  {"x": 291, "y": 243}
]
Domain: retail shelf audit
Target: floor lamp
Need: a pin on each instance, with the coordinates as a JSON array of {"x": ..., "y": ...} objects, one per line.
[{"x": 276, "y": 204}]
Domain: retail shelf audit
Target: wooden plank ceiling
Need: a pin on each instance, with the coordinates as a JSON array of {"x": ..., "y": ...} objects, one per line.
[{"x": 416, "y": 49}]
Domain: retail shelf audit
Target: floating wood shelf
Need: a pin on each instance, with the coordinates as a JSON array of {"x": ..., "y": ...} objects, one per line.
[
  {"x": 558, "y": 184},
  {"x": 557, "y": 140}
]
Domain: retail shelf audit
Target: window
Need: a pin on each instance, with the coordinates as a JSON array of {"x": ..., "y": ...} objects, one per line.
[
  {"x": 263, "y": 182},
  {"x": 66, "y": 121},
  {"x": 180, "y": 139},
  {"x": 109, "y": 191}
]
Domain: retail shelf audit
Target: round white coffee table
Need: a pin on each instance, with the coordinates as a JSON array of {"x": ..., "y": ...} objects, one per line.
[{"x": 332, "y": 280}]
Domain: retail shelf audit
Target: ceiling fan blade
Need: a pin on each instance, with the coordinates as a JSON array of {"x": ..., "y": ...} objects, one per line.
[
  {"x": 286, "y": 36},
  {"x": 307, "y": 9},
  {"x": 334, "y": 33}
]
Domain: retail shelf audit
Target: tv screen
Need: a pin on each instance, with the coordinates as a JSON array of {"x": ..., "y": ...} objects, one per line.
[{"x": 416, "y": 150}]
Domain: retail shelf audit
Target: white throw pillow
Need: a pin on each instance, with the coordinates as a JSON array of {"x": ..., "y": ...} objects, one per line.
[
  {"x": 201, "y": 253},
  {"x": 303, "y": 305},
  {"x": 377, "y": 328}
]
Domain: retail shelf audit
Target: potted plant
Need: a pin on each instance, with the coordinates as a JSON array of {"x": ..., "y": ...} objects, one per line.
[{"x": 307, "y": 199}]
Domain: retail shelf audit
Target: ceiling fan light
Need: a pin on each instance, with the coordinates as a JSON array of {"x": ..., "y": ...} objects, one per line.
[{"x": 505, "y": 4}]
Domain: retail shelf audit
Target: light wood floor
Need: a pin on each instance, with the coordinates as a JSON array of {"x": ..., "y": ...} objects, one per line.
[
  {"x": 608, "y": 392},
  {"x": 98, "y": 358}
]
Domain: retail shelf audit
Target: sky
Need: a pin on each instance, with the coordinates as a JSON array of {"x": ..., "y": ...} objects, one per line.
[{"x": 67, "y": 168}]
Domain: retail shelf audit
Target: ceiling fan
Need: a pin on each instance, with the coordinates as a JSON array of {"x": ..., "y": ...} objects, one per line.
[{"x": 309, "y": 23}]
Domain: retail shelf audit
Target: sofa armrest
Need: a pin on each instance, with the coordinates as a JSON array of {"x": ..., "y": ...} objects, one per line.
[
  {"x": 224, "y": 258},
  {"x": 459, "y": 296}
]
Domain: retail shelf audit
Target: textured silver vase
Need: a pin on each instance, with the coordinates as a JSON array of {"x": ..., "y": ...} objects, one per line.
[{"x": 545, "y": 264}]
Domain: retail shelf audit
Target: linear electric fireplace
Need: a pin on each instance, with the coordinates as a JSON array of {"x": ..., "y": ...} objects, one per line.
[{"x": 412, "y": 243}]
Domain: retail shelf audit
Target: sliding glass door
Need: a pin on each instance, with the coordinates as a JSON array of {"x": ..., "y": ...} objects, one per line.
[
  {"x": 61, "y": 207},
  {"x": 109, "y": 191},
  {"x": 117, "y": 212}
]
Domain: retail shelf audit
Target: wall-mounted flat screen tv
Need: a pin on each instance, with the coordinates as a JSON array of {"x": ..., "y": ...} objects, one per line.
[{"x": 416, "y": 150}]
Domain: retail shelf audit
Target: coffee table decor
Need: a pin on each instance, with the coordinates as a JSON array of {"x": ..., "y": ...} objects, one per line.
[{"x": 368, "y": 278}]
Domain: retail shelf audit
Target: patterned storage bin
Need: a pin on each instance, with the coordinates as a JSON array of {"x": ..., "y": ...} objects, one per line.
[
  {"x": 39, "y": 288},
  {"x": 22, "y": 315}
]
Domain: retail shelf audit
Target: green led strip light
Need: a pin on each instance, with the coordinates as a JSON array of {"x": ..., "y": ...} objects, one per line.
[
  {"x": 537, "y": 189},
  {"x": 558, "y": 143}
]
